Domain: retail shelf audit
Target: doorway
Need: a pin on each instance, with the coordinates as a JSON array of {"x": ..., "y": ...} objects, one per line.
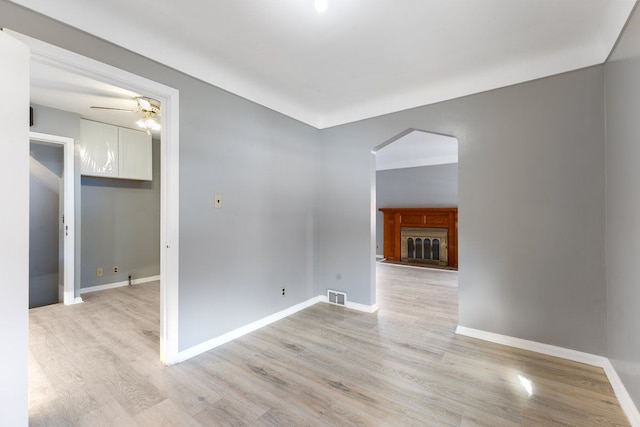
[
  {"x": 414, "y": 169},
  {"x": 169, "y": 170},
  {"x": 52, "y": 240}
]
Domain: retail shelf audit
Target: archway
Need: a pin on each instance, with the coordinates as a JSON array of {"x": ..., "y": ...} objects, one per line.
[{"x": 414, "y": 169}]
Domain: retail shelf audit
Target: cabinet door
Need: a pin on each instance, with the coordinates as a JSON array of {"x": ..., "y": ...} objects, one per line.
[
  {"x": 99, "y": 149},
  {"x": 135, "y": 155}
]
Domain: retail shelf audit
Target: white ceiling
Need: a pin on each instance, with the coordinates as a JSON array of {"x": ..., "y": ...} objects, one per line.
[
  {"x": 57, "y": 88},
  {"x": 417, "y": 148},
  {"x": 361, "y": 58}
]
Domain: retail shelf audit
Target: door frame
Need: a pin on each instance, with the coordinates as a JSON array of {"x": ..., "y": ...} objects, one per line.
[
  {"x": 69, "y": 244},
  {"x": 169, "y": 170}
]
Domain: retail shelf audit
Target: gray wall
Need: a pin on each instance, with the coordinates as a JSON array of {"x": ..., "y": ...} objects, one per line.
[
  {"x": 531, "y": 204},
  {"x": 234, "y": 261},
  {"x": 45, "y": 244},
  {"x": 622, "y": 88},
  {"x": 63, "y": 123},
  {"x": 121, "y": 227},
  {"x": 433, "y": 186}
]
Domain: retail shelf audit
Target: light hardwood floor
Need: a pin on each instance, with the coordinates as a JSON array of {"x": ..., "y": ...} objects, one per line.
[{"x": 96, "y": 364}]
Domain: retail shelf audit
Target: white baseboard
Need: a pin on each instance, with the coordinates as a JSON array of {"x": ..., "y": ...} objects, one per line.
[
  {"x": 551, "y": 350},
  {"x": 118, "y": 284},
  {"x": 626, "y": 403},
  {"x": 237, "y": 333},
  {"x": 69, "y": 298},
  {"x": 353, "y": 305},
  {"x": 362, "y": 307},
  {"x": 629, "y": 408}
]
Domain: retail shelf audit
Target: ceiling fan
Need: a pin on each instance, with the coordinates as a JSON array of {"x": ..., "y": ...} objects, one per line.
[{"x": 148, "y": 106}]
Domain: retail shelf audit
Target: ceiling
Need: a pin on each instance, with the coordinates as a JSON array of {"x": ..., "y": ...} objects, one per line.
[
  {"x": 360, "y": 58},
  {"x": 57, "y": 88},
  {"x": 417, "y": 148}
]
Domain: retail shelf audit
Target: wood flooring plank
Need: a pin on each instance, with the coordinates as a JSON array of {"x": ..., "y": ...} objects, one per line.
[
  {"x": 166, "y": 414},
  {"x": 225, "y": 413},
  {"x": 108, "y": 415}
]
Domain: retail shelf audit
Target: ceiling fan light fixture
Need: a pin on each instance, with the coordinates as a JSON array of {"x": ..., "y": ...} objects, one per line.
[
  {"x": 149, "y": 123},
  {"x": 322, "y": 5}
]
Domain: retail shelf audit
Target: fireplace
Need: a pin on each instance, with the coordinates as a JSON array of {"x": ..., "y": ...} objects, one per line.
[
  {"x": 424, "y": 245},
  {"x": 421, "y": 235}
]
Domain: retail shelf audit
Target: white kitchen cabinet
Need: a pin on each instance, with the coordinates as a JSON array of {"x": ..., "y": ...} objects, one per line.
[
  {"x": 99, "y": 149},
  {"x": 115, "y": 152},
  {"x": 135, "y": 155}
]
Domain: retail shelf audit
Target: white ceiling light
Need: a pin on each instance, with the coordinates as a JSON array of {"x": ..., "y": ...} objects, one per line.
[
  {"x": 322, "y": 5},
  {"x": 149, "y": 122}
]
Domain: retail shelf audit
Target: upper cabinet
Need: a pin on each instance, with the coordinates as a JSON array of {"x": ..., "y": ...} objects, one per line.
[
  {"x": 134, "y": 155},
  {"x": 99, "y": 149},
  {"x": 115, "y": 152}
]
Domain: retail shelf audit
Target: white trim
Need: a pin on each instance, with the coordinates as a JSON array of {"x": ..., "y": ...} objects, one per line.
[
  {"x": 251, "y": 327},
  {"x": 380, "y": 257},
  {"x": 352, "y": 305},
  {"x": 626, "y": 403},
  {"x": 118, "y": 284},
  {"x": 169, "y": 159},
  {"x": 70, "y": 296},
  {"x": 629, "y": 408},
  {"x": 69, "y": 239},
  {"x": 246, "y": 329},
  {"x": 551, "y": 350},
  {"x": 362, "y": 307}
]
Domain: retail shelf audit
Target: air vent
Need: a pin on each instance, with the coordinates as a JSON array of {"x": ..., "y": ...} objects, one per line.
[{"x": 336, "y": 297}]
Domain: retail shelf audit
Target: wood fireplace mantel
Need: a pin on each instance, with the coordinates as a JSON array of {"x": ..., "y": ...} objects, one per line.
[{"x": 397, "y": 218}]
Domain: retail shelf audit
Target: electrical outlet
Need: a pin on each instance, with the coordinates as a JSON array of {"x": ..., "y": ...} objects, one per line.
[
  {"x": 99, "y": 272},
  {"x": 283, "y": 291},
  {"x": 115, "y": 269}
]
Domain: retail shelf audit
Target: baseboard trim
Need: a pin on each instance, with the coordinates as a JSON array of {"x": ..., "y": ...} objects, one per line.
[
  {"x": 251, "y": 327},
  {"x": 629, "y": 408},
  {"x": 70, "y": 300},
  {"x": 118, "y": 284},
  {"x": 626, "y": 403},
  {"x": 363, "y": 307},
  {"x": 550, "y": 350},
  {"x": 237, "y": 333}
]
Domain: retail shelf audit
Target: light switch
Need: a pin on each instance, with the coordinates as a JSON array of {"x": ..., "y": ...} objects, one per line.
[{"x": 218, "y": 201}]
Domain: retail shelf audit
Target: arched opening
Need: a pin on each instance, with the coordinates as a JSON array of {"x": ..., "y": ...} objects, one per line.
[{"x": 416, "y": 170}]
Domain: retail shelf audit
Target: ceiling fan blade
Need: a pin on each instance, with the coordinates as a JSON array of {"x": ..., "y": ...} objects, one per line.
[
  {"x": 144, "y": 103},
  {"x": 113, "y": 109},
  {"x": 148, "y": 105}
]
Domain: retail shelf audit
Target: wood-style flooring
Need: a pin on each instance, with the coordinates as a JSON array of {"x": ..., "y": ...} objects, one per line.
[{"x": 96, "y": 364}]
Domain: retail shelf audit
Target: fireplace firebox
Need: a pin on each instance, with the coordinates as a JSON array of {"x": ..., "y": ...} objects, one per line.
[{"x": 424, "y": 245}]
